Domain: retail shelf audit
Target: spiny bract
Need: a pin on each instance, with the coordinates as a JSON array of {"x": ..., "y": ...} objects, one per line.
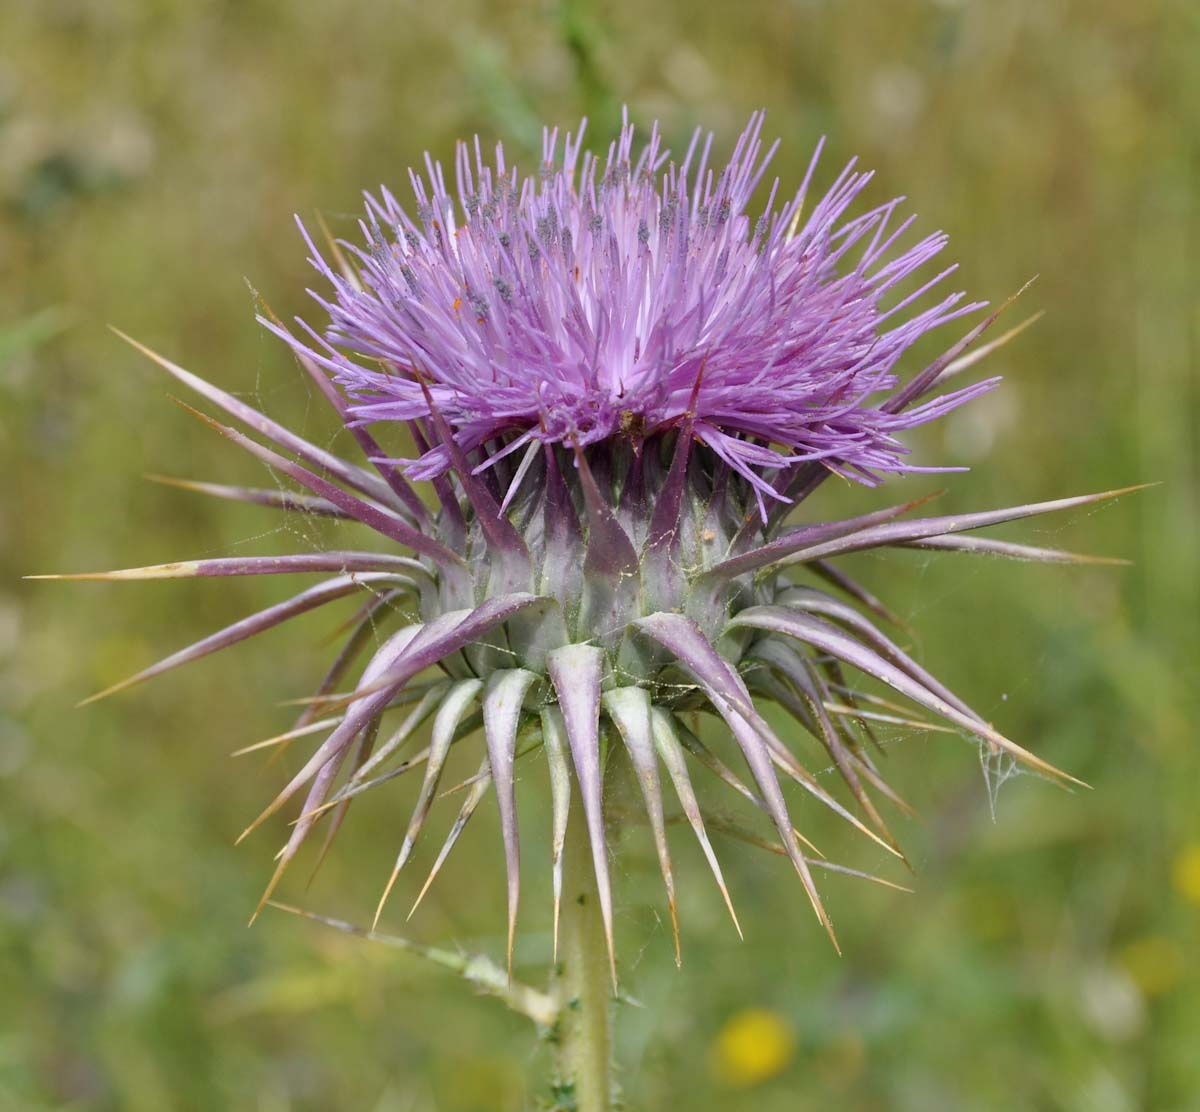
[{"x": 618, "y": 385}]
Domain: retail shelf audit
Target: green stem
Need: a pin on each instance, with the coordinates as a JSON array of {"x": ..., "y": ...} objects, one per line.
[
  {"x": 582, "y": 985},
  {"x": 478, "y": 970}
]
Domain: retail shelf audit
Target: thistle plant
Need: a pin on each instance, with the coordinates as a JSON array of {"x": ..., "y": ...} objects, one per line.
[{"x": 620, "y": 391}]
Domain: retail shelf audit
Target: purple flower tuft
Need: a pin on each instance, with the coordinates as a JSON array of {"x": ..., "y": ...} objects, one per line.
[{"x": 596, "y": 298}]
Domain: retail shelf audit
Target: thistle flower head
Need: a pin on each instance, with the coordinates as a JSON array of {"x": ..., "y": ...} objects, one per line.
[
  {"x": 609, "y": 372},
  {"x": 614, "y": 294}
]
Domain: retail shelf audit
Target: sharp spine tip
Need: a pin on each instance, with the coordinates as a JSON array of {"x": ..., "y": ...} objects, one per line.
[{"x": 387, "y": 891}]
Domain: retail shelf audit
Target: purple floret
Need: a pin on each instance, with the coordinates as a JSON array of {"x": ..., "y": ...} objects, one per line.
[{"x": 603, "y": 295}]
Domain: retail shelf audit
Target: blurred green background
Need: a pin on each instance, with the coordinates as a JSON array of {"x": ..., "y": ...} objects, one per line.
[{"x": 151, "y": 155}]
